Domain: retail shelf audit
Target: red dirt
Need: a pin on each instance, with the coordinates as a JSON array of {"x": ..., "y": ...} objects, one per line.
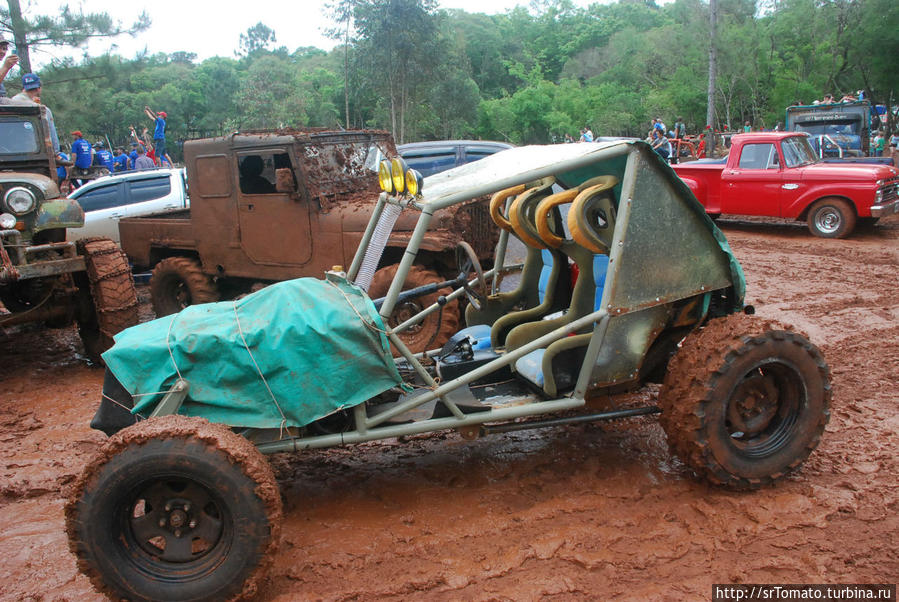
[{"x": 593, "y": 511}]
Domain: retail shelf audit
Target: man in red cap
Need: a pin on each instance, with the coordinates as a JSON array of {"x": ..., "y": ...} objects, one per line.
[{"x": 159, "y": 134}]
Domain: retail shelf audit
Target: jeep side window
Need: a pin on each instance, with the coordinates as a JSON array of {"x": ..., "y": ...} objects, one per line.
[
  {"x": 758, "y": 156},
  {"x": 257, "y": 172}
]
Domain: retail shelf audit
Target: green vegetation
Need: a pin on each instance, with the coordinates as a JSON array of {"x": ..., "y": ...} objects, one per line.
[{"x": 526, "y": 76}]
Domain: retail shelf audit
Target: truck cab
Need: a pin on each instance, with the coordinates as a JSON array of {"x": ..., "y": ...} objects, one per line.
[{"x": 777, "y": 174}]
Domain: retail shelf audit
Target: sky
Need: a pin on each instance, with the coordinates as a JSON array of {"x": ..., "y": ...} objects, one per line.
[{"x": 213, "y": 28}]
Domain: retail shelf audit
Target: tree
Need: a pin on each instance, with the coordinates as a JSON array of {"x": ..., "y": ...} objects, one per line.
[
  {"x": 398, "y": 48},
  {"x": 257, "y": 37},
  {"x": 68, "y": 28}
]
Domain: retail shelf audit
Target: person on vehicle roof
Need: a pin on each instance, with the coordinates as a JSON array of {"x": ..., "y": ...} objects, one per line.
[
  {"x": 120, "y": 161},
  {"x": 31, "y": 95},
  {"x": 103, "y": 157},
  {"x": 83, "y": 157},
  {"x": 143, "y": 161},
  {"x": 159, "y": 133},
  {"x": 6, "y": 66}
]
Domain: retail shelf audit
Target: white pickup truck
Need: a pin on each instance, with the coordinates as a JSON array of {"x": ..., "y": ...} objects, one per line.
[{"x": 128, "y": 194}]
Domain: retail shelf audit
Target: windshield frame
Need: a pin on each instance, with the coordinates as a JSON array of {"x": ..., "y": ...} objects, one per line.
[{"x": 797, "y": 151}]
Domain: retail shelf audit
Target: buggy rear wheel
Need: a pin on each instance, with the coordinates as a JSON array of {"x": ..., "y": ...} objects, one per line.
[
  {"x": 745, "y": 401},
  {"x": 175, "y": 508}
]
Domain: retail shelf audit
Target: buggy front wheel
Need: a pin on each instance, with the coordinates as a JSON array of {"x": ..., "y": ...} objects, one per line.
[
  {"x": 175, "y": 508},
  {"x": 745, "y": 401}
]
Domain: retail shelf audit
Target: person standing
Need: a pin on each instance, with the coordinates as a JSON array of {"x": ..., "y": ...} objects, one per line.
[
  {"x": 82, "y": 156},
  {"x": 103, "y": 157},
  {"x": 879, "y": 143},
  {"x": 680, "y": 130},
  {"x": 6, "y": 66},
  {"x": 159, "y": 133},
  {"x": 31, "y": 95},
  {"x": 747, "y": 127}
]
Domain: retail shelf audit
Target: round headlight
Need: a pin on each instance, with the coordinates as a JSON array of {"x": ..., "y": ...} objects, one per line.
[
  {"x": 398, "y": 171},
  {"x": 414, "y": 182},
  {"x": 19, "y": 200},
  {"x": 7, "y": 221},
  {"x": 385, "y": 179}
]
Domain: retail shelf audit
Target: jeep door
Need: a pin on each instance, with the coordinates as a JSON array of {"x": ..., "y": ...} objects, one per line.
[{"x": 275, "y": 227}]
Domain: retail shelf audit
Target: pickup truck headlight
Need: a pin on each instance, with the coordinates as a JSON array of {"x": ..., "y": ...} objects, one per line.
[{"x": 19, "y": 200}]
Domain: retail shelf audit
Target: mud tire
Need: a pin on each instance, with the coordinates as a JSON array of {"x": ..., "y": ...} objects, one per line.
[
  {"x": 434, "y": 330},
  {"x": 718, "y": 383},
  {"x": 831, "y": 218},
  {"x": 173, "y": 460},
  {"x": 106, "y": 296},
  {"x": 178, "y": 282}
]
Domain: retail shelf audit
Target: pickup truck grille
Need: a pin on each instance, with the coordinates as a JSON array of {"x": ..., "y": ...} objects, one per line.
[{"x": 889, "y": 192}]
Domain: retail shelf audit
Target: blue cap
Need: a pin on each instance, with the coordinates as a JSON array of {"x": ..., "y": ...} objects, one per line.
[{"x": 30, "y": 81}]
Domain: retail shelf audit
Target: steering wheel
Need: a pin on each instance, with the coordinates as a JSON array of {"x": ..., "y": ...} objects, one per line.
[{"x": 468, "y": 262}]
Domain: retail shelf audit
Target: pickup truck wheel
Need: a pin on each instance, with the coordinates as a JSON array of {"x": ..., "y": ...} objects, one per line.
[
  {"x": 436, "y": 328},
  {"x": 178, "y": 282},
  {"x": 175, "y": 508},
  {"x": 831, "y": 218},
  {"x": 107, "y": 301},
  {"x": 745, "y": 401}
]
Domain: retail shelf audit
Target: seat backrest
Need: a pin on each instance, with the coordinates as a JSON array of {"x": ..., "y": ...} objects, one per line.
[{"x": 587, "y": 292}]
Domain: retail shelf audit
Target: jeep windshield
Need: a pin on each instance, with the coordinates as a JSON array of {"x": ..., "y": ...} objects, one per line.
[{"x": 18, "y": 136}]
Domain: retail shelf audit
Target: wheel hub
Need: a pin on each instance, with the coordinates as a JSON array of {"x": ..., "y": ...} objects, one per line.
[
  {"x": 754, "y": 405},
  {"x": 828, "y": 221},
  {"x": 175, "y": 528}
]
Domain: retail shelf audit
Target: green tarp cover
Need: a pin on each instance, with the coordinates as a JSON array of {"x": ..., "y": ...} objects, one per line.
[{"x": 306, "y": 336}]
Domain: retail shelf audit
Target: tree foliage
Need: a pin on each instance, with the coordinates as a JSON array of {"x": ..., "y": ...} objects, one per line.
[
  {"x": 67, "y": 28},
  {"x": 530, "y": 75}
]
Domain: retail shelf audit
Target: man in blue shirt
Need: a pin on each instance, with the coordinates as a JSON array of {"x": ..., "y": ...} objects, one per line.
[
  {"x": 103, "y": 157},
  {"x": 61, "y": 173},
  {"x": 132, "y": 156},
  {"x": 83, "y": 157},
  {"x": 120, "y": 161},
  {"x": 159, "y": 133}
]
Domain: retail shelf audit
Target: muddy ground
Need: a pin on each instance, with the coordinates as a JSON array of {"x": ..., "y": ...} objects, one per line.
[{"x": 581, "y": 512}]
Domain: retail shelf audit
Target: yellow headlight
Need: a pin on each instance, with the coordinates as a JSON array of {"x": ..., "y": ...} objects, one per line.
[
  {"x": 398, "y": 171},
  {"x": 414, "y": 182},
  {"x": 384, "y": 177}
]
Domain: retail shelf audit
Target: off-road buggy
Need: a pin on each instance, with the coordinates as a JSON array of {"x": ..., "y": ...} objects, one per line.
[{"x": 176, "y": 507}]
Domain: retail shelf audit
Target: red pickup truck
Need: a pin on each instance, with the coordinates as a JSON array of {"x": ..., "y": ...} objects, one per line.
[{"x": 778, "y": 174}]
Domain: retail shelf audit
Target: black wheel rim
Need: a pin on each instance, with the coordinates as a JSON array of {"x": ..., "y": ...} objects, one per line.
[
  {"x": 175, "y": 528},
  {"x": 763, "y": 409}
]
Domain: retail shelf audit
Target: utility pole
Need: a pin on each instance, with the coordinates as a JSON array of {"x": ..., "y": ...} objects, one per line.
[{"x": 713, "y": 73}]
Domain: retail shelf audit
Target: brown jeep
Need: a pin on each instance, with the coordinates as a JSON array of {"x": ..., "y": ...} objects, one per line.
[{"x": 275, "y": 205}]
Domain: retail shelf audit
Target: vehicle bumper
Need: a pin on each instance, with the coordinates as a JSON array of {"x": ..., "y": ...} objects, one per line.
[
  {"x": 21, "y": 262},
  {"x": 885, "y": 209}
]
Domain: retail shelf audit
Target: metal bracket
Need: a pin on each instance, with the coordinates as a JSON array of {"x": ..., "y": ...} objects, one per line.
[{"x": 171, "y": 401}]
